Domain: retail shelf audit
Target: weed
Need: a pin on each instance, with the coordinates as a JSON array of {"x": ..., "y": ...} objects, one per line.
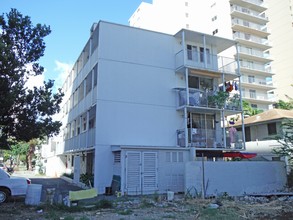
[
  {"x": 84, "y": 218},
  {"x": 146, "y": 204},
  {"x": 105, "y": 204},
  {"x": 125, "y": 212},
  {"x": 169, "y": 216},
  {"x": 68, "y": 218}
]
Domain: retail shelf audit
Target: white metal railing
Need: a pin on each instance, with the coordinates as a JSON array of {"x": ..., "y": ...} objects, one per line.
[
  {"x": 255, "y": 2},
  {"x": 249, "y": 24},
  {"x": 251, "y": 38},
  {"x": 207, "y": 61},
  {"x": 253, "y": 52},
  {"x": 198, "y": 98},
  {"x": 260, "y": 81},
  {"x": 254, "y": 66},
  {"x": 258, "y": 96},
  {"x": 210, "y": 138},
  {"x": 248, "y": 11}
]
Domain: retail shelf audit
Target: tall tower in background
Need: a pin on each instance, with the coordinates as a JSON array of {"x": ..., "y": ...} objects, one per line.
[
  {"x": 280, "y": 14},
  {"x": 242, "y": 20}
]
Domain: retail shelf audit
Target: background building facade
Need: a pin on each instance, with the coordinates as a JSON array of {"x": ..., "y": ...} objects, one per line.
[{"x": 244, "y": 21}]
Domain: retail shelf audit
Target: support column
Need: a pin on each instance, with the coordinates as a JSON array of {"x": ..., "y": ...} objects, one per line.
[
  {"x": 240, "y": 92},
  {"x": 185, "y": 127}
]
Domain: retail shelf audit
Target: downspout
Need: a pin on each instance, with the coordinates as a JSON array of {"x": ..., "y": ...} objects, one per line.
[{"x": 240, "y": 91}]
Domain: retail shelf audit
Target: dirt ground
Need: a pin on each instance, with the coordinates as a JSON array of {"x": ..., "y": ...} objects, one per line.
[{"x": 154, "y": 207}]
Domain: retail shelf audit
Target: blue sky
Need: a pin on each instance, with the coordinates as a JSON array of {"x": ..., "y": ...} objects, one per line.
[{"x": 70, "y": 22}]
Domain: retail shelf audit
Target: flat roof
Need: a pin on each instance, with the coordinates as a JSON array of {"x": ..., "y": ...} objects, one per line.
[{"x": 220, "y": 43}]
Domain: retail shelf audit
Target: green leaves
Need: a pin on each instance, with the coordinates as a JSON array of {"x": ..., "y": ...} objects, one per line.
[{"x": 24, "y": 114}]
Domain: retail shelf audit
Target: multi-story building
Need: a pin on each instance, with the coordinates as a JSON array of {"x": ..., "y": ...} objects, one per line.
[
  {"x": 138, "y": 104},
  {"x": 242, "y": 20},
  {"x": 280, "y": 14}
]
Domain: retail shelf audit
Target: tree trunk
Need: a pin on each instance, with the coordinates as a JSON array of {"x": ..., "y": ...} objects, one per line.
[{"x": 30, "y": 154}]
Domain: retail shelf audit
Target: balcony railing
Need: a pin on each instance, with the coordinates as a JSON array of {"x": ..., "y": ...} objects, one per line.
[
  {"x": 198, "y": 98},
  {"x": 199, "y": 60},
  {"x": 210, "y": 138},
  {"x": 255, "y": 2},
  {"x": 258, "y": 96},
  {"x": 248, "y": 11},
  {"x": 251, "y": 38},
  {"x": 253, "y": 52},
  {"x": 258, "y": 81},
  {"x": 249, "y": 24},
  {"x": 255, "y": 66}
]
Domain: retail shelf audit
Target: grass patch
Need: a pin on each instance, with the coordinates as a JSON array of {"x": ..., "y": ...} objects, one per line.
[
  {"x": 219, "y": 214},
  {"x": 125, "y": 212},
  {"x": 105, "y": 204}
]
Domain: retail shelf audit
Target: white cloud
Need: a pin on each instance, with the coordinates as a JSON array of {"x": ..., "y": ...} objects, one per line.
[{"x": 62, "y": 69}]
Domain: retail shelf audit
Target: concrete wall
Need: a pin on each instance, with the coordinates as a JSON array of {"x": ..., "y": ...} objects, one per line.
[{"x": 235, "y": 178}]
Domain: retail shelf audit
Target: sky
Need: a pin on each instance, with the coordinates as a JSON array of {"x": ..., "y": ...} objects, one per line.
[{"x": 70, "y": 22}]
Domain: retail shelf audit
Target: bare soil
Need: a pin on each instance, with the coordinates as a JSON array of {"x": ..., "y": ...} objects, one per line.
[{"x": 154, "y": 207}]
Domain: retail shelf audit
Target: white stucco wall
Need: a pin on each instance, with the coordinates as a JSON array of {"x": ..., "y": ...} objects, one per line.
[{"x": 235, "y": 178}]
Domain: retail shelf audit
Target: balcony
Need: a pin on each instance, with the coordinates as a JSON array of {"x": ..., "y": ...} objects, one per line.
[
  {"x": 209, "y": 100},
  {"x": 255, "y": 68},
  {"x": 254, "y": 54},
  {"x": 248, "y": 14},
  {"x": 251, "y": 40},
  {"x": 249, "y": 27},
  {"x": 257, "y": 5},
  {"x": 259, "y": 97},
  {"x": 205, "y": 62},
  {"x": 210, "y": 139},
  {"x": 254, "y": 82}
]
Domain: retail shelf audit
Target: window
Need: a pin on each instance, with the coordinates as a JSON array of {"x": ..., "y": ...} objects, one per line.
[
  {"x": 81, "y": 91},
  {"x": 252, "y": 93},
  {"x": 95, "y": 75},
  {"x": 186, "y": 4},
  {"x": 202, "y": 55},
  {"x": 88, "y": 81},
  {"x": 186, "y": 15},
  {"x": 272, "y": 128},
  {"x": 73, "y": 129},
  {"x": 215, "y": 31},
  {"x": 193, "y": 82},
  {"x": 214, "y": 18},
  {"x": 84, "y": 121},
  {"x": 187, "y": 26},
  {"x": 192, "y": 53},
  {"x": 75, "y": 97},
  {"x": 253, "y": 105},
  {"x": 77, "y": 123},
  {"x": 92, "y": 117},
  {"x": 251, "y": 79}
]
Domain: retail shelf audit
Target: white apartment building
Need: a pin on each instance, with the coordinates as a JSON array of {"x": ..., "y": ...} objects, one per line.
[
  {"x": 139, "y": 104},
  {"x": 242, "y": 20},
  {"x": 280, "y": 14}
]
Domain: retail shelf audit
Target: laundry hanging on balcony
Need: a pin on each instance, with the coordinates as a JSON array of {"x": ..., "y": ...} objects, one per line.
[{"x": 231, "y": 85}]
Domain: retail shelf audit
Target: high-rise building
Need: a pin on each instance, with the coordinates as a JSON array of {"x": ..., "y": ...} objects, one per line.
[
  {"x": 280, "y": 14},
  {"x": 242, "y": 20}
]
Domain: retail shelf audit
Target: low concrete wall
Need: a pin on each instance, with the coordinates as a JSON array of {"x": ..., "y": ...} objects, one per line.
[{"x": 235, "y": 178}]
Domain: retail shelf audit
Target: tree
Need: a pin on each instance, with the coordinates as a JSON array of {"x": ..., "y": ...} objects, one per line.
[
  {"x": 284, "y": 105},
  {"x": 248, "y": 110},
  {"x": 285, "y": 139},
  {"x": 25, "y": 113}
]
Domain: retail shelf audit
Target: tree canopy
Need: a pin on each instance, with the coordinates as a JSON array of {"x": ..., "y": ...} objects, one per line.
[{"x": 25, "y": 113}]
